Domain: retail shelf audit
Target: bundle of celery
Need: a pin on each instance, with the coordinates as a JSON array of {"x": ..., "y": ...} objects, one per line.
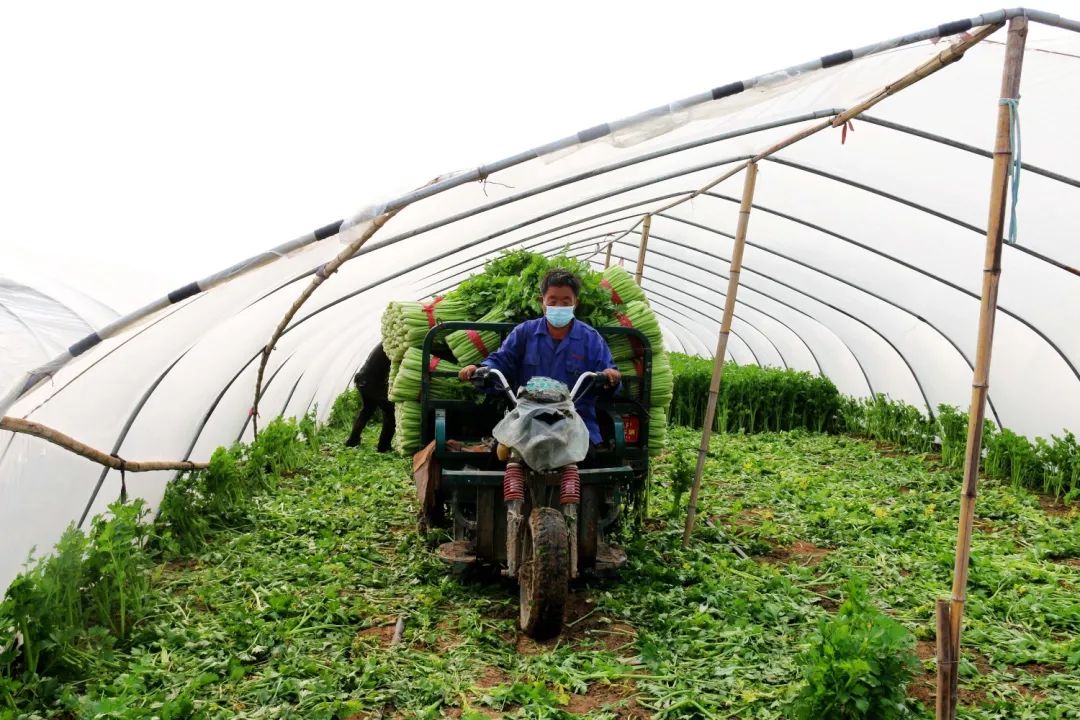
[
  {"x": 472, "y": 346},
  {"x": 660, "y": 388},
  {"x": 395, "y": 365},
  {"x": 507, "y": 290},
  {"x": 404, "y": 324},
  {"x": 406, "y": 384},
  {"x": 639, "y": 315},
  {"x": 663, "y": 381},
  {"x": 407, "y": 432},
  {"x": 657, "y": 430},
  {"x": 620, "y": 284},
  {"x": 418, "y": 320}
]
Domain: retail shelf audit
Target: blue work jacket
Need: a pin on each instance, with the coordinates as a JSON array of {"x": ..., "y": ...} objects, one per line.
[{"x": 530, "y": 351}]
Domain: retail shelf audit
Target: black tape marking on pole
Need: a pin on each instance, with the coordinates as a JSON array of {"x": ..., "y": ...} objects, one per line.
[
  {"x": 328, "y": 230},
  {"x": 594, "y": 133},
  {"x": 828, "y": 61},
  {"x": 183, "y": 293},
  {"x": 83, "y": 345},
  {"x": 954, "y": 27},
  {"x": 730, "y": 89}
]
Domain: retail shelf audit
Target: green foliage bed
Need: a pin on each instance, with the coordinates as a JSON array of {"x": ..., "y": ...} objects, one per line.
[{"x": 285, "y": 604}]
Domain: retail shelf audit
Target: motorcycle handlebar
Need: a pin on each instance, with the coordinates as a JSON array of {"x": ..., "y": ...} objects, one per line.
[{"x": 483, "y": 374}]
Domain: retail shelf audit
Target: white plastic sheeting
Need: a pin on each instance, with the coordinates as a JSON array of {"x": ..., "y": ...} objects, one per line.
[
  {"x": 864, "y": 262},
  {"x": 39, "y": 319}
]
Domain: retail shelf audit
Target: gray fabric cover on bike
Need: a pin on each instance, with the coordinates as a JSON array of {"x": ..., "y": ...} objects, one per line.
[{"x": 547, "y": 435}]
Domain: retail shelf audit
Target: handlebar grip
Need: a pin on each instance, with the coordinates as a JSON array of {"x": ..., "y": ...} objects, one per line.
[{"x": 480, "y": 376}]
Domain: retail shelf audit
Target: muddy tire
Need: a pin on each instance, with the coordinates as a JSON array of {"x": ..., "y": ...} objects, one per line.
[{"x": 543, "y": 574}]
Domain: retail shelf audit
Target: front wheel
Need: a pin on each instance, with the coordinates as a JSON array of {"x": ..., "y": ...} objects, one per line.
[{"x": 543, "y": 573}]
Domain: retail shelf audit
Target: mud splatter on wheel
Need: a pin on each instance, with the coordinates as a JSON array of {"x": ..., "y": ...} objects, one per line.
[{"x": 543, "y": 574}]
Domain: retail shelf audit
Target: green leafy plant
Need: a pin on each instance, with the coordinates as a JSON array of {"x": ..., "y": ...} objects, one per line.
[
  {"x": 116, "y": 568},
  {"x": 952, "y": 430},
  {"x": 682, "y": 476},
  {"x": 752, "y": 399},
  {"x": 344, "y": 410},
  {"x": 858, "y": 664}
]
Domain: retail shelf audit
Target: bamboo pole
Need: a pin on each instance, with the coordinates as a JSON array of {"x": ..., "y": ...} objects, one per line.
[
  {"x": 29, "y": 427},
  {"x": 1010, "y": 88},
  {"x": 943, "y": 700},
  {"x": 721, "y": 343},
  {"x": 322, "y": 274},
  {"x": 943, "y": 59},
  {"x": 643, "y": 247},
  {"x": 607, "y": 255},
  {"x": 931, "y": 66}
]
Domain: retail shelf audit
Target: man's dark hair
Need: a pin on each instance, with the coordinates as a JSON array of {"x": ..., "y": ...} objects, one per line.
[{"x": 557, "y": 277}]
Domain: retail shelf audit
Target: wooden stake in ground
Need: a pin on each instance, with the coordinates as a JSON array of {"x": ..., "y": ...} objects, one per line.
[
  {"x": 1010, "y": 89},
  {"x": 721, "y": 343},
  {"x": 646, "y": 224},
  {"x": 945, "y": 661}
]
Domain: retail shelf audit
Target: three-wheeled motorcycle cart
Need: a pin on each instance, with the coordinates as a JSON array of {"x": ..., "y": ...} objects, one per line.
[{"x": 544, "y": 535}]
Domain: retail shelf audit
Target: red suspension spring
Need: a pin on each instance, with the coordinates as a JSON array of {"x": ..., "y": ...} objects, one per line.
[
  {"x": 570, "y": 486},
  {"x": 513, "y": 482}
]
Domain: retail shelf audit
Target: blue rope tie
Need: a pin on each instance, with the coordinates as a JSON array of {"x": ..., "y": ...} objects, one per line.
[{"x": 1015, "y": 165}]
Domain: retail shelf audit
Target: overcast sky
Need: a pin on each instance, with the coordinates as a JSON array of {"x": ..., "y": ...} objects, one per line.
[{"x": 144, "y": 144}]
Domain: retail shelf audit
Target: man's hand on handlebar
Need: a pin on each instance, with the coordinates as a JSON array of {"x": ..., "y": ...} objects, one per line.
[
  {"x": 466, "y": 373},
  {"x": 611, "y": 377}
]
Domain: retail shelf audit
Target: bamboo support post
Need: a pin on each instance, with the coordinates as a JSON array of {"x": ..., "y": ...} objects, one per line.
[
  {"x": 646, "y": 225},
  {"x": 322, "y": 274},
  {"x": 943, "y": 700},
  {"x": 721, "y": 343},
  {"x": 29, "y": 427},
  {"x": 607, "y": 255},
  {"x": 980, "y": 384}
]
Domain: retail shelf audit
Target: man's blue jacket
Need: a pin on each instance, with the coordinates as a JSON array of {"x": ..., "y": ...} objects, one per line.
[{"x": 530, "y": 351}]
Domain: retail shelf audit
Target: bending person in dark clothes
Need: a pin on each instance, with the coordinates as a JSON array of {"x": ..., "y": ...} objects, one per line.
[{"x": 373, "y": 383}]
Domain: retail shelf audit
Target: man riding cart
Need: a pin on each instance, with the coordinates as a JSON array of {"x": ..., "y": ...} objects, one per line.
[{"x": 564, "y": 461}]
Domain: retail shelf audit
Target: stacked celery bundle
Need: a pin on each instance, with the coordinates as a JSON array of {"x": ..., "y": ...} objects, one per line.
[
  {"x": 407, "y": 382},
  {"x": 632, "y": 310},
  {"x": 404, "y": 324},
  {"x": 470, "y": 347},
  {"x": 407, "y": 432},
  {"x": 507, "y": 290}
]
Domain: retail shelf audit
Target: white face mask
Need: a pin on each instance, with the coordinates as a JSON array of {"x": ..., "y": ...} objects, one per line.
[{"x": 559, "y": 315}]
